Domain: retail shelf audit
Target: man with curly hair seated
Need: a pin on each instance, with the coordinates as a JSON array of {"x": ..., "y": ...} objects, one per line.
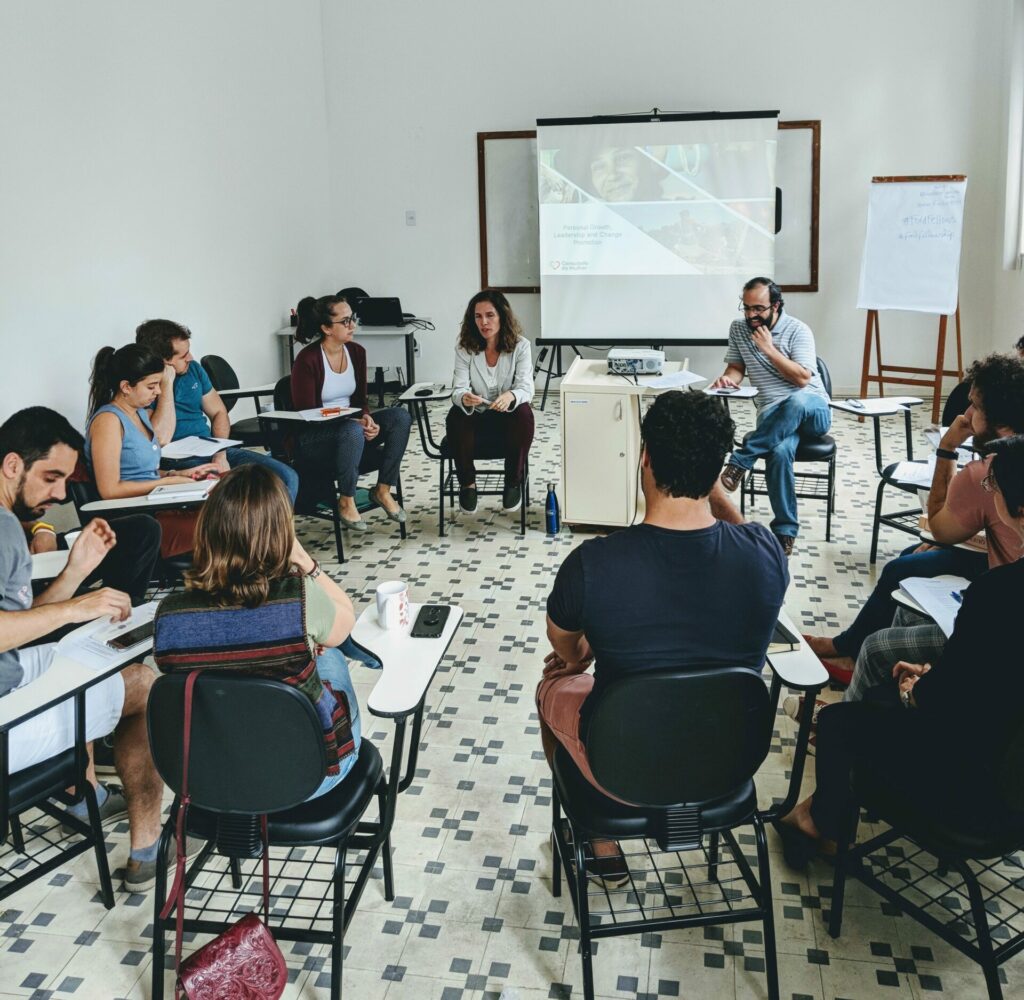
[{"x": 688, "y": 587}]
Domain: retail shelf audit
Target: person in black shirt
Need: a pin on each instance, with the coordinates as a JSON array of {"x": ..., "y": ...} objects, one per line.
[
  {"x": 684, "y": 588},
  {"x": 937, "y": 733}
]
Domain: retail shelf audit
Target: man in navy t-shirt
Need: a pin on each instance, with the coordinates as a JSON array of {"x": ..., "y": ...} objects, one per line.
[
  {"x": 681, "y": 589},
  {"x": 189, "y": 404}
]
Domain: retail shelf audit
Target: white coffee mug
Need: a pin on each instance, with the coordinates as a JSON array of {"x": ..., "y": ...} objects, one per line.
[{"x": 393, "y": 605}]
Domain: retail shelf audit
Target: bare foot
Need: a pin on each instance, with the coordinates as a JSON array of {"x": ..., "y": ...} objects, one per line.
[
  {"x": 822, "y": 646},
  {"x": 842, "y": 662},
  {"x": 800, "y": 817}
]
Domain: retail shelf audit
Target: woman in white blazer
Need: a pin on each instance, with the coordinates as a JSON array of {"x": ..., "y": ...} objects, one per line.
[{"x": 491, "y": 394}]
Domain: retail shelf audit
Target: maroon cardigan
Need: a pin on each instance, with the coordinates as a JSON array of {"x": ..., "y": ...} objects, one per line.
[{"x": 308, "y": 376}]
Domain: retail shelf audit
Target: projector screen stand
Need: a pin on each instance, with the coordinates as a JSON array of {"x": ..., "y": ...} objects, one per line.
[{"x": 553, "y": 354}]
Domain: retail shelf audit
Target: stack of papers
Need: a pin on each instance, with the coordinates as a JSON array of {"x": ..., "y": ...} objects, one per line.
[
  {"x": 939, "y": 597},
  {"x": 743, "y": 392},
  {"x": 916, "y": 473},
  {"x": 196, "y": 447},
  {"x": 173, "y": 492},
  {"x": 674, "y": 381}
]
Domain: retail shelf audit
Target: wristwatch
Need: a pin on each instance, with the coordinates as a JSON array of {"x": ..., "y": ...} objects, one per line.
[
  {"x": 315, "y": 571},
  {"x": 947, "y": 454}
]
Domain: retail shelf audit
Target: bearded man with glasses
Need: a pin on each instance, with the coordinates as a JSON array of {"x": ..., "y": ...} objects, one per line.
[{"x": 776, "y": 352}]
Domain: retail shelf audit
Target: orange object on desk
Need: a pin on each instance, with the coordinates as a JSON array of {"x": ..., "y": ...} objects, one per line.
[{"x": 330, "y": 411}]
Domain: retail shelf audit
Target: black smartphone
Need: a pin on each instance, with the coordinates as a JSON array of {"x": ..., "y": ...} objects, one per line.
[
  {"x": 430, "y": 621},
  {"x": 726, "y": 389},
  {"x": 127, "y": 639}
]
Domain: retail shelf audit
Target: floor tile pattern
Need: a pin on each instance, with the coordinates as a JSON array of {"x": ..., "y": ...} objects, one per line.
[{"x": 474, "y": 916}]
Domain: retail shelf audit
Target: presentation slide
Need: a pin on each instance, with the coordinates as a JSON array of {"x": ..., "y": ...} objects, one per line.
[{"x": 649, "y": 228}]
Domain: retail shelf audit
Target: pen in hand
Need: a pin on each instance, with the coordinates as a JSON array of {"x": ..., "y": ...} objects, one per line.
[{"x": 957, "y": 596}]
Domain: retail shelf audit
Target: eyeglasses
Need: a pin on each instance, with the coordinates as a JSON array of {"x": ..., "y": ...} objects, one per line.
[
  {"x": 348, "y": 322},
  {"x": 754, "y": 310},
  {"x": 989, "y": 484}
]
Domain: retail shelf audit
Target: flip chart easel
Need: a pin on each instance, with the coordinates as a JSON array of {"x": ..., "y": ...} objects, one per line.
[{"x": 886, "y": 374}]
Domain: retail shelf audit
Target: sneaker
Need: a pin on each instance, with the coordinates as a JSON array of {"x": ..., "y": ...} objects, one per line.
[
  {"x": 512, "y": 497},
  {"x": 467, "y": 499},
  {"x": 732, "y": 476},
  {"x": 787, "y": 542},
  {"x": 114, "y": 808},
  {"x": 140, "y": 876}
]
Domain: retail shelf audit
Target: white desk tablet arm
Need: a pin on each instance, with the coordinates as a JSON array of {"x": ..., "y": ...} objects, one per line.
[
  {"x": 418, "y": 405},
  {"x": 802, "y": 671},
  {"x": 876, "y": 419}
]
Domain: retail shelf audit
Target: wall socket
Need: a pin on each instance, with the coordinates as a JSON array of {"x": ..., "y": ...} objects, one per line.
[{"x": 410, "y": 217}]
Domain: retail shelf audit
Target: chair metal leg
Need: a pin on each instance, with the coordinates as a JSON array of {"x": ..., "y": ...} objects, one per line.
[
  {"x": 877, "y": 523},
  {"x": 106, "y": 888},
  {"x": 17, "y": 835},
  {"x": 402, "y": 533},
  {"x": 440, "y": 498},
  {"x": 713, "y": 858},
  {"x": 981, "y": 929},
  {"x": 556, "y": 847},
  {"x": 159, "y": 895},
  {"x": 525, "y": 500},
  {"x": 764, "y": 879},
  {"x": 830, "y": 500},
  {"x": 236, "y": 873},
  {"x": 583, "y": 916},
  {"x": 338, "y": 935},
  {"x": 385, "y": 848},
  {"x": 336, "y": 519},
  {"x": 848, "y": 837}
]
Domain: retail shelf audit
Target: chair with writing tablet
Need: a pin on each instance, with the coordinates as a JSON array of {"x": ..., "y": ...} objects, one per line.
[
  {"x": 809, "y": 485},
  {"x": 223, "y": 376},
  {"x": 318, "y": 490}
]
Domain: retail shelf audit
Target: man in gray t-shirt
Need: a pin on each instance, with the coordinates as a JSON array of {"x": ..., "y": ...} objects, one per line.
[{"x": 776, "y": 352}]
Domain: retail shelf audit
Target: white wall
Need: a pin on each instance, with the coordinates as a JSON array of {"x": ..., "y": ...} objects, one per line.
[
  {"x": 159, "y": 159},
  {"x": 901, "y": 88}
]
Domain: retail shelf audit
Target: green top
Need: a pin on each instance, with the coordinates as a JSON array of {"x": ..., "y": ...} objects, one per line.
[{"x": 320, "y": 613}]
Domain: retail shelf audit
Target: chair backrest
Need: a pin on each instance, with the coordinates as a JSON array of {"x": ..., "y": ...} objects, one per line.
[
  {"x": 826, "y": 378},
  {"x": 665, "y": 738},
  {"x": 283, "y": 393},
  {"x": 222, "y": 375},
  {"x": 257, "y": 745},
  {"x": 957, "y": 403},
  {"x": 82, "y": 488},
  {"x": 1010, "y": 769},
  {"x": 352, "y": 293}
]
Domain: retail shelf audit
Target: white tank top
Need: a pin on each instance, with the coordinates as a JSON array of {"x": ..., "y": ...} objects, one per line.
[{"x": 338, "y": 389}]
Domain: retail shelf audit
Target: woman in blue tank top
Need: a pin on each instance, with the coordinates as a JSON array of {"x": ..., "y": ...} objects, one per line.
[{"x": 121, "y": 448}]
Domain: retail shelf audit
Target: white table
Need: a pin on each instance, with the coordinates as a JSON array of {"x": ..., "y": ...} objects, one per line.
[
  {"x": 253, "y": 392},
  {"x": 138, "y": 505},
  {"x": 345, "y": 411},
  {"x": 409, "y": 666}
]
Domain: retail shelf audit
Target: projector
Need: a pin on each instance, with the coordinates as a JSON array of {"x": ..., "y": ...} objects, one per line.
[{"x": 635, "y": 361}]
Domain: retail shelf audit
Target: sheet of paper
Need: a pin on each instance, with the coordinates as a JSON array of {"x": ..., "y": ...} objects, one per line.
[
  {"x": 88, "y": 645},
  {"x": 318, "y": 413},
  {"x": 939, "y": 596},
  {"x": 674, "y": 381},
  {"x": 743, "y": 392},
  {"x": 196, "y": 447},
  {"x": 181, "y": 491},
  {"x": 917, "y": 473}
]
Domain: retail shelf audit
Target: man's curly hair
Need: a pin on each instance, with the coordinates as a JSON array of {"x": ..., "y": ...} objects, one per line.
[
  {"x": 687, "y": 436},
  {"x": 998, "y": 382}
]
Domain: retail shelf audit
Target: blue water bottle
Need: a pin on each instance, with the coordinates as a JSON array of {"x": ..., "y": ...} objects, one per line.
[{"x": 552, "y": 518}]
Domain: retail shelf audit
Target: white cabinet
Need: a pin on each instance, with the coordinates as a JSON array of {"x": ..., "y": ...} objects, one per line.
[{"x": 601, "y": 445}]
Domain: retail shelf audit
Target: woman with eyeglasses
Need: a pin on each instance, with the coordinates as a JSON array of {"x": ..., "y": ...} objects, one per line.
[
  {"x": 331, "y": 371},
  {"x": 937, "y": 733}
]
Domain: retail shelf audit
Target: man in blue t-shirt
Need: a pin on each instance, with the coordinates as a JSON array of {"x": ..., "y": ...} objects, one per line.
[
  {"x": 681, "y": 589},
  {"x": 189, "y": 404},
  {"x": 776, "y": 352}
]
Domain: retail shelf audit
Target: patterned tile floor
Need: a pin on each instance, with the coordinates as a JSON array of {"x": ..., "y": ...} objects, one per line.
[{"x": 474, "y": 916}]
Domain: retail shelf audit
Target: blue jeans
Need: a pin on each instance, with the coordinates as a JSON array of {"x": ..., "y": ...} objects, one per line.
[
  {"x": 779, "y": 429},
  {"x": 244, "y": 456},
  {"x": 879, "y": 608},
  {"x": 332, "y": 667}
]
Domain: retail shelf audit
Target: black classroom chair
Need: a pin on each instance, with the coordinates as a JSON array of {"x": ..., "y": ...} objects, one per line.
[
  {"x": 223, "y": 376},
  {"x": 233, "y": 780}
]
